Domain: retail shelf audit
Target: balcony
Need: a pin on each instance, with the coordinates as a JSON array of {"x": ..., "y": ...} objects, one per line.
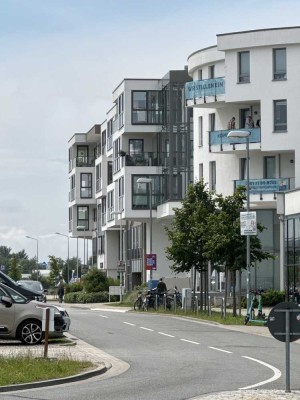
[
  {"x": 142, "y": 159},
  {"x": 200, "y": 90},
  {"x": 219, "y": 138},
  {"x": 84, "y": 161},
  {"x": 266, "y": 186}
]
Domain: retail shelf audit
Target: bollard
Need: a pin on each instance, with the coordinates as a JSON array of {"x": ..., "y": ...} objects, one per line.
[
  {"x": 209, "y": 306},
  {"x": 165, "y": 301},
  {"x": 46, "y": 332},
  {"x": 175, "y": 305},
  {"x": 156, "y": 302},
  {"x": 196, "y": 304}
]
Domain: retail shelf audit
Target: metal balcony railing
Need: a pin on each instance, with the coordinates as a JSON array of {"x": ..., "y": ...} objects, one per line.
[
  {"x": 265, "y": 186},
  {"x": 219, "y": 138},
  {"x": 85, "y": 161},
  {"x": 206, "y": 87}
]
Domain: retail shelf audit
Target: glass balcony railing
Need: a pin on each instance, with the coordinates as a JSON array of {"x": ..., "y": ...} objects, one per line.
[
  {"x": 85, "y": 161},
  {"x": 207, "y": 87},
  {"x": 220, "y": 137},
  {"x": 265, "y": 186}
]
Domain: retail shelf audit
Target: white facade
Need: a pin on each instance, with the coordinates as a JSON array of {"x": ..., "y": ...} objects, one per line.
[
  {"x": 249, "y": 73},
  {"x": 135, "y": 141}
]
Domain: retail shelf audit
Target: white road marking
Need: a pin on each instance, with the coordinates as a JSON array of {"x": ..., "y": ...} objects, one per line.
[
  {"x": 189, "y": 341},
  {"x": 128, "y": 323},
  {"x": 215, "y": 348},
  {"x": 146, "y": 329},
  {"x": 165, "y": 334},
  {"x": 103, "y": 316},
  {"x": 277, "y": 374},
  {"x": 109, "y": 310}
]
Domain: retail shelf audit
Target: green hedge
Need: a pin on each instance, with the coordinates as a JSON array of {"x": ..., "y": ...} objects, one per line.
[
  {"x": 269, "y": 298},
  {"x": 73, "y": 287},
  {"x": 83, "y": 297}
]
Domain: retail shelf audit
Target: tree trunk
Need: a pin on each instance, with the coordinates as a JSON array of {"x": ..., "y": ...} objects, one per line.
[
  {"x": 233, "y": 293},
  {"x": 226, "y": 291}
]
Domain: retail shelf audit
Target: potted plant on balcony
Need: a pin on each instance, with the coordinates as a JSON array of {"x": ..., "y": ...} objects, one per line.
[{"x": 122, "y": 153}]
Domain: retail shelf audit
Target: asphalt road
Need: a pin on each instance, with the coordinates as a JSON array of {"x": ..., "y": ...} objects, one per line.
[{"x": 172, "y": 358}]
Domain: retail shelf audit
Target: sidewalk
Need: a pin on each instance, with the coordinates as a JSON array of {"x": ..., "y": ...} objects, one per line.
[{"x": 104, "y": 363}]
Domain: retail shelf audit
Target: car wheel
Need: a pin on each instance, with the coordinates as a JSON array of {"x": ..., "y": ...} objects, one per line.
[{"x": 30, "y": 332}]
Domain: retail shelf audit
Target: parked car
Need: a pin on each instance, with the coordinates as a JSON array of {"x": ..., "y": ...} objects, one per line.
[
  {"x": 66, "y": 317},
  {"x": 21, "y": 319},
  {"x": 30, "y": 294},
  {"x": 34, "y": 285}
]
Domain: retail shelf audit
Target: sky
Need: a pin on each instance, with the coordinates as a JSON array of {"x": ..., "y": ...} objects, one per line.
[{"x": 60, "y": 61}]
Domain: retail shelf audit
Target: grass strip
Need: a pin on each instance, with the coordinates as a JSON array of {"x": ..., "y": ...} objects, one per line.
[{"x": 24, "y": 369}]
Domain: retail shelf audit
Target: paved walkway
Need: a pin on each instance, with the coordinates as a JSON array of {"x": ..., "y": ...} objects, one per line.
[{"x": 105, "y": 363}]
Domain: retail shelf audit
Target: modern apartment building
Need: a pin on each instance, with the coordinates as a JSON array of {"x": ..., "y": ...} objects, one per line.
[
  {"x": 129, "y": 172},
  {"x": 251, "y": 74}
]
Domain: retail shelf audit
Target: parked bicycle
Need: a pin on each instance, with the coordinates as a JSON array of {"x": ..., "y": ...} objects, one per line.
[{"x": 138, "y": 304}]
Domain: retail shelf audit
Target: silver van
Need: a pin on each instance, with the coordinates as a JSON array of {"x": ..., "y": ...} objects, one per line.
[{"x": 21, "y": 319}]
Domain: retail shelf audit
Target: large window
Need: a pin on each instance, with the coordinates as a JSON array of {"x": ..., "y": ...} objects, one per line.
[
  {"x": 211, "y": 71},
  {"x": 141, "y": 192},
  {"x": 86, "y": 186},
  {"x": 279, "y": 64},
  {"x": 244, "y": 67},
  {"x": 200, "y": 128},
  {"x": 212, "y": 175},
  {"x": 146, "y": 107},
  {"x": 280, "y": 115},
  {"x": 83, "y": 218},
  {"x": 269, "y": 167}
]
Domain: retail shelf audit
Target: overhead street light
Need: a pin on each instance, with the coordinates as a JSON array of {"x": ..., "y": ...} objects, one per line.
[
  {"x": 148, "y": 181},
  {"x": 67, "y": 236},
  {"x": 37, "y": 254},
  {"x": 121, "y": 251},
  {"x": 238, "y": 134}
]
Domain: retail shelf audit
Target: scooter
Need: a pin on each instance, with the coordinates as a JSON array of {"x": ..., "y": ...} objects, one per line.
[{"x": 260, "y": 317}]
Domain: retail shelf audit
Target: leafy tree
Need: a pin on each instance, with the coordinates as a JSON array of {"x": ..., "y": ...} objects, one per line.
[
  {"x": 95, "y": 281},
  {"x": 224, "y": 243},
  {"x": 5, "y": 255},
  {"x": 15, "y": 271},
  {"x": 187, "y": 232},
  {"x": 72, "y": 267},
  {"x": 55, "y": 269}
]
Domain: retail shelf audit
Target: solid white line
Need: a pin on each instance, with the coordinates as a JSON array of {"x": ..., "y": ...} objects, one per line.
[
  {"x": 277, "y": 374},
  {"x": 128, "y": 323},
  {"x": 189, "y": 341},
  {"x": 224, "y": 351},
  {"x": 103, "y": 316},
  {"x": 165, "y": 334},
  {"x": 146, "y": 329}
]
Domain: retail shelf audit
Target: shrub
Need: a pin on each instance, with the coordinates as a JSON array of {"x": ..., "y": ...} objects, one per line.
[
  {"x": 272, "y": 297},
  {"x": 74, "y": 287},
  {"x": 95, "y": 281},
  {"x": 83, "y": 297}
]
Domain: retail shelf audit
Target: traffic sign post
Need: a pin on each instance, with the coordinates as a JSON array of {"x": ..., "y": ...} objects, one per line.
[{"x": 284, "y": 325}]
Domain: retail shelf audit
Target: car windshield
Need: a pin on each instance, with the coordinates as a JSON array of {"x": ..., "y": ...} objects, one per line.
[
  {"x": 16, "y": 297},
  {"x": 35, "y": 285}
]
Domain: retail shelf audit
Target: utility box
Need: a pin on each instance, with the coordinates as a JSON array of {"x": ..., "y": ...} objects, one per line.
[{"x": 186, "y": 298}]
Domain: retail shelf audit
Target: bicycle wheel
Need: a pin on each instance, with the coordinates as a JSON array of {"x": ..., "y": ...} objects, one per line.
[{"x": 138, "y": 305}]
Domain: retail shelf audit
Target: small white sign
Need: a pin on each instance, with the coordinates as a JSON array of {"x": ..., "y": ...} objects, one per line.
[
  {"x": 248, "y": 223},
  {"x": 51, "y": 320}
]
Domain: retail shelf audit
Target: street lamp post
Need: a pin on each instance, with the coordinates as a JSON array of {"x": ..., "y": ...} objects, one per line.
[
  {"x": 148, "y": 181},
  {"x": 67, "y": 236},
  {"x": 121, "y": 251},
  {"x": 82, "y": 228},
  {"x": 37, "y": 254},
  {"x": 234, "y": 135}
]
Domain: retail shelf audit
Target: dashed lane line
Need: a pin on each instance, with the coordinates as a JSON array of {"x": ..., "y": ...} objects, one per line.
[
  {"x": 165, "y": 334},
  {"x": 189, "y": 341},
  {"x": 216, "y": 348},
  {"x": 147, "y": 329},
  {"x": 103, "y": 316},
  {"x": 129, "y": 323},
  {"x": 277, "y": 374}
]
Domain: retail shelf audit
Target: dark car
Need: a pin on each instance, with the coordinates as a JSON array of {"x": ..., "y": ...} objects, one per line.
[
  {"x": 30, "y": 294},
  {"x": 34, "y": 285},
  {"x": 22, "y": 319}
]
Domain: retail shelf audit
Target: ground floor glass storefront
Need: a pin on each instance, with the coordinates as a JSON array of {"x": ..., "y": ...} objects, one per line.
[{"x": 292, "y": 253}]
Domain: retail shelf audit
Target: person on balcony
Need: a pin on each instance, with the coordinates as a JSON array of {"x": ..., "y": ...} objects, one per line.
[
  {"x": 249, "y": 123},
  {"x": 231, "y": 123}
]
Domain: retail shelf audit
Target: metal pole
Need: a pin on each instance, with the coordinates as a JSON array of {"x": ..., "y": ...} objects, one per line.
[
  {"x": 68, "y": 265},
  {"x": 77, "y": 258},
  {"x": 150, "y": 204},
  {"x": 248, "y": 236},
  {"x": 287, "y": 351},
  {"x": 37, "y": 258}
]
